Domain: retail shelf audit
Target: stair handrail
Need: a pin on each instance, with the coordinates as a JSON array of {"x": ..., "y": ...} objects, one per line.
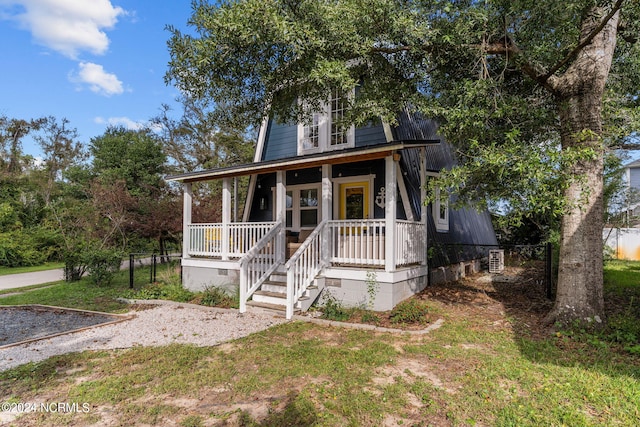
[
  {"x": 304, "y": 265},
  {"x": 252, "y": 278}
]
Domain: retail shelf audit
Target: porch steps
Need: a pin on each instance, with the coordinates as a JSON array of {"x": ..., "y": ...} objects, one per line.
[{"x": 272, "y": 295}]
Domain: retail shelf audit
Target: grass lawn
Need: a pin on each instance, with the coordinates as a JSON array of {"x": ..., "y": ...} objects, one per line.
[{"x": 492, "y": 362}]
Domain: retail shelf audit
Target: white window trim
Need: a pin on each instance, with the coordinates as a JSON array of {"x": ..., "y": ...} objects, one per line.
[
  {"x": 324, "y": 133},
  {"x": 349, "y": 179},
  {"x": 441, "y": 200},
  {"x": 295, "y": 204}
]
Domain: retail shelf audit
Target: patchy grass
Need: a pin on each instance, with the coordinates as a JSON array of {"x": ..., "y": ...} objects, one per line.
[{"x": 493, "y": 362}]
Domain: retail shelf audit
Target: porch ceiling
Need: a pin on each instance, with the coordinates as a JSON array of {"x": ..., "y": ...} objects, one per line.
[{"x": 312, "y": 160}]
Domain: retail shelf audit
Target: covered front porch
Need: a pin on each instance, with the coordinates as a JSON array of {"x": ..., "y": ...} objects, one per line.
[{"x": 336, "y": 252}]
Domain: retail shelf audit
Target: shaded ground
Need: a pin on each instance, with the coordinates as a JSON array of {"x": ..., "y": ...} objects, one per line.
[{"x": 518, "y": 292}]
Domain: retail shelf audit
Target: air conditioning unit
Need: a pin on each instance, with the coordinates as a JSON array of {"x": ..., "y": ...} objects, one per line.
[{"x": 496, "y": 260}]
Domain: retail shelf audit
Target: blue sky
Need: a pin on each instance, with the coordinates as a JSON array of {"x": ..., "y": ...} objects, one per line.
[{"x": 94, "y": 62}]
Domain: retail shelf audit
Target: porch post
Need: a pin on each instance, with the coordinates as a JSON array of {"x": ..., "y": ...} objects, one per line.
[
  {"x": 390, "y": 214},
  {"x": 281, "y": 209},
  {"x": 327, "y": 210},
  {"x": 186, "y": 218},
  {"x": 226, "y": 216},
  {"x": 423, "y": 207}
]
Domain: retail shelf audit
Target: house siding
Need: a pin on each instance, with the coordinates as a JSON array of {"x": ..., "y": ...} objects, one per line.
[
  {"x": 469, "y": 230},
  {"x": 372, "y": 134},
  {"x": 281, "y": 141}
]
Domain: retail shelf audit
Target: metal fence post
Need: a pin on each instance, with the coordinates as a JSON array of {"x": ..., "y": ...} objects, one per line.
[
  {"x": 131, "y": 262},
  {"x": 548, "y": 269},
  {"x": 154, "y": 262}
]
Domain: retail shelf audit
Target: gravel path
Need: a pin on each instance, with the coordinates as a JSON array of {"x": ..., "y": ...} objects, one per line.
[{"x": 165, "y": 323}]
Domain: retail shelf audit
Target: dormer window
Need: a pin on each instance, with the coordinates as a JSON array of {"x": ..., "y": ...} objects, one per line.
[{"x": 326, "y": 131}]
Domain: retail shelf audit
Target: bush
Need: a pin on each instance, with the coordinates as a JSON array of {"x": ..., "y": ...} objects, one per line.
[
  {"x": 411, "y": 310},
  {"x": 217, "y": 297},
  {"x": 20, "y": 249},
  {"x": 102, "y": 265},
  {"x": 334, "y": 309},
  {"x": 165, "y": 291}
]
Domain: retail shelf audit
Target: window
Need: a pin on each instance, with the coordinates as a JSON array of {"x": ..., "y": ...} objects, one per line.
[
  {"x": 441, "y": 211},
  {"x": 302, "y": 207},
  {"x": 326, "y": 131}
]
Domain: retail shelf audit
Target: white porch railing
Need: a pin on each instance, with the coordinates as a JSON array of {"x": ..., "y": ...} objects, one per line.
[
  {"x": 208, "y": 239},
  {"x": 358, "y": 242},
  {"x": 411, "y": 247},
  {"x": 303, "y": 267},
  {"x": 362, "y": 242},
  {"x": 258, "y": 264}
]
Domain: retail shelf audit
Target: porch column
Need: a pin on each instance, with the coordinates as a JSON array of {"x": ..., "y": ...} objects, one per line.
[
  {"x": 423, "y": 207},
  {"x": 186, "y": 218},
  {"x": 390, "y": 213},
  {"x": 327, "y": 210},
  {"x": 281, "y": 211},
  {"x": 226, "y": 216}
]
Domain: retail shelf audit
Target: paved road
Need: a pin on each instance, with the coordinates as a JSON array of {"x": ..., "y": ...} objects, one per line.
[{"x": 10, "y": 281}]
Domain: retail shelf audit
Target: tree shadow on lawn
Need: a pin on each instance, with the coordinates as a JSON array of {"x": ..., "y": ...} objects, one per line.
[{"x": 517, "y": 300}]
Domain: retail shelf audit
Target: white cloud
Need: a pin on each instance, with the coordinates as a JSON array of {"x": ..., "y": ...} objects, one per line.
[
  {"x": 126, "y": 122},
  {"x": 98, "y": 80},
  {"x": 66, "y": 26}
]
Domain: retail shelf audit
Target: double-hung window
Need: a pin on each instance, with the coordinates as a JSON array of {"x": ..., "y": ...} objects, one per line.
[
  {"x": 326, "y": 131},
  {"x": 441, "y": 210}
]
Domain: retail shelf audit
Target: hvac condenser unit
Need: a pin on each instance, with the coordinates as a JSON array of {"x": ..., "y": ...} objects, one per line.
[{"x": 496, "y": 260}]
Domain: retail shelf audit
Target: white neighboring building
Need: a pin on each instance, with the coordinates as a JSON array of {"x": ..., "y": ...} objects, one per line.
[{"x": 632, "y": 178}]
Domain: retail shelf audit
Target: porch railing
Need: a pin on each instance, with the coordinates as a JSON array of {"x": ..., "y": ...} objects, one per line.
[
  {"x": 258, "y": 264},
  {"x": 358, "y": 242},
  {"x": 303, "y": 267},
  {"x": 411, "y": 245},
  {"x": 362, "y": 242},
  {"x": 208, "y": 239}
]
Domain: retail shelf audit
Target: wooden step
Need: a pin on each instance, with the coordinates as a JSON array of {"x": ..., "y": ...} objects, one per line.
[
  {"x": 271, "y": 294},
  {"x": 279, "y": 310}
]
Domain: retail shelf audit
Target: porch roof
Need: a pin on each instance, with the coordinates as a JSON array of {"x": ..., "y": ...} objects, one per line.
[{"x": 310, "y": 160}]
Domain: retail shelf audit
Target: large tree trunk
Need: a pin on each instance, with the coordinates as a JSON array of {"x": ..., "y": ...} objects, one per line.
[{"x": 580, "y": 92}]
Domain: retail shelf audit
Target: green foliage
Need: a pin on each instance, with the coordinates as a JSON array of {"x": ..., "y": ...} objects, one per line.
[
  {"x": 134, "y": 157},
  {"x": 102, "y": 264},
  {"x": 164, "y": 291},
  {"x": 372, "y": 288},
  {"x": 28, "y": 247},
  {"x": 214, "y": 296},
  {"x": 411, "y": 310},
  {"x": 332, "y": 309}
]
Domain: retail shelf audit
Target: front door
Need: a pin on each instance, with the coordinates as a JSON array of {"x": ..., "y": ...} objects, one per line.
[{"x": 354, "y": 200}]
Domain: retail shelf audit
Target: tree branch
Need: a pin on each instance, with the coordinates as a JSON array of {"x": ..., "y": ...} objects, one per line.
[{"x": 616, "y": 7}]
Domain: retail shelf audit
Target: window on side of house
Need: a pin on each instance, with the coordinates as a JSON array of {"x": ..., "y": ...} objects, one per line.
[
  {"x": 326, "y": 131},
  {"x": 441, "y": 210}
]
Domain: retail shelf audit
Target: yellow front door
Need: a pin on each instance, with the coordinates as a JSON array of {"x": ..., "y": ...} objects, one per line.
[{"x": 354, "y": 200}]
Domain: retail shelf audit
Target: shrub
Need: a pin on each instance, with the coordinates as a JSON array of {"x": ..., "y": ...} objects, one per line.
[
  {"x": 21, "y": 248},
  {"x": 411, "y": 310},
  {"x": 166, "y": 291},
  {"x": 102, "y": 265},
  {"x": 334, "y": 309},
  {"x": 217, "y": 297}
]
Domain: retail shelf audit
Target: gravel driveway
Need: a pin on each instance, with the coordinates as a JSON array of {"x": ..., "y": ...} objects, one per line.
[{"x": 165, "y": 322}]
